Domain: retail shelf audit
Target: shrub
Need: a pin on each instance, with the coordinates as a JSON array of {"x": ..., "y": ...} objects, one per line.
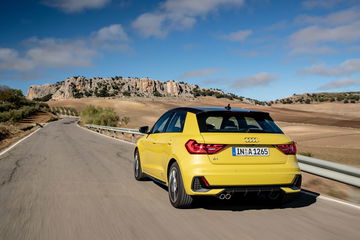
[
  {"x": 125, "y": 120},
  {"x": 4, "y": 132},
  {"x": 157, "y": 94},
  {"x": 44, "y": 98},
  {"x": 126, "y": 93},
  {"x": 99, "y": 116},
  {"x": 18, "y": 114}
]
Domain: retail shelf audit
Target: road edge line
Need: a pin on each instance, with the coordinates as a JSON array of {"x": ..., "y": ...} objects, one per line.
[
  {"x": 330, "y": 199},
  {"x": 19, "y": 141},
  {"x": 116, "y": 139}
]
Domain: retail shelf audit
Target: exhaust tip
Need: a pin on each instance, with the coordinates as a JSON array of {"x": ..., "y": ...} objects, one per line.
[{"x": 225, "y": 196}]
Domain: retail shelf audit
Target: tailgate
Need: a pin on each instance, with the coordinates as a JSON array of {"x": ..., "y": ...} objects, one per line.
[{"x": 247, "y": 148}]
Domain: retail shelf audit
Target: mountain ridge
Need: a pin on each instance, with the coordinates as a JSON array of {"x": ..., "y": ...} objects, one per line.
[{"x": 82, "y": 87}]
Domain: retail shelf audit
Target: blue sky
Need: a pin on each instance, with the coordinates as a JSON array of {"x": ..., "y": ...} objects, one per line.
[{"x": 260, "y": 49}]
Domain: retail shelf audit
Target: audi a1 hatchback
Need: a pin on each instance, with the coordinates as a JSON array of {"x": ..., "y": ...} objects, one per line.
[{"x": 199, "y": 151}]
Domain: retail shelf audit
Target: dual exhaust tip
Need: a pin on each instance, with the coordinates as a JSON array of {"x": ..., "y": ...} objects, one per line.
[{"x": 224, "y": 196}]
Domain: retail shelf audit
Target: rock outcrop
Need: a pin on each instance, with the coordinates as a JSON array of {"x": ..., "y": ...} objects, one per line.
[{"x": 79, "y": 87}]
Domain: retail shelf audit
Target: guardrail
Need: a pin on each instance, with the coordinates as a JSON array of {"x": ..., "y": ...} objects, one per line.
[
  {"x": 132, "y": 132},
  {"x": 335, "y": 171}
]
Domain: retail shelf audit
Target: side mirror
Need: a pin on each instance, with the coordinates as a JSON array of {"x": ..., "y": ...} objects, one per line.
[{"x": 144, "y": 129}]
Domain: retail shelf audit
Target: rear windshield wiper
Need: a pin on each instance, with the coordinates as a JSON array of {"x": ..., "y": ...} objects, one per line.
[{"x": 254, "y": 130}]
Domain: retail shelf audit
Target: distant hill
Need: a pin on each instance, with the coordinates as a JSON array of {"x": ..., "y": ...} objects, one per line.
[
  {"x": 81, "y": 87},
  {"x": 307, "y": 98}
]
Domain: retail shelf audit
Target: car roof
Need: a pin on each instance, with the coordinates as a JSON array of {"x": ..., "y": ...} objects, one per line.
[{"x": 197, "y": 110}]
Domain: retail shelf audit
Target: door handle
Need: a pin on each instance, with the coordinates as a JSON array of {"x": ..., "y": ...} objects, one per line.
[{"x": 170, "y": 142}]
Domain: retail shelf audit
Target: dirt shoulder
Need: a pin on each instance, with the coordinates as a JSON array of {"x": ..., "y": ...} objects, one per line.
[{"x": 23, "y": 128}]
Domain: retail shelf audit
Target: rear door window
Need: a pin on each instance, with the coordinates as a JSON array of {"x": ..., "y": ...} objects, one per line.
[
  {"x": 161, "y": 124},
  {"x": 237, "y": 122},
  {"x": 177, "y": 122}
]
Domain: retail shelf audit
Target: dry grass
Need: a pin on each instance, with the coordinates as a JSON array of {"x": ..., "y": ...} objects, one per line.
[
  {"x": 15, "y": 131},
  {"x": 350, "y": 110}
]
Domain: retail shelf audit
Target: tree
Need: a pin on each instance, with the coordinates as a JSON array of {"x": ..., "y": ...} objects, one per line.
[{"x": 125, "y": 120}]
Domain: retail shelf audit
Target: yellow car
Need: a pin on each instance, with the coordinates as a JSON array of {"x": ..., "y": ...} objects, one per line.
[{"x": 198, "y": 151}]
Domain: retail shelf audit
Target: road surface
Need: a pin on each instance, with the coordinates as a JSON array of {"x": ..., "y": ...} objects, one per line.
[{"x": 65, "y": 182}]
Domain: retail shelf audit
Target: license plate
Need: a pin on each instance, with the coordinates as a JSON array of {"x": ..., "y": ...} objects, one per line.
[{"x": 250, "y": 151}]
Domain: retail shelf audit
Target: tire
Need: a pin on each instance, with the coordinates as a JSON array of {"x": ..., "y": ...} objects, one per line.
[
  {"x": 177, "y": 194},
  {"x": 138, "y": 174}
]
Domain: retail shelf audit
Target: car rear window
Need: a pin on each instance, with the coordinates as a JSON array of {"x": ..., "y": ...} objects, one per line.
[{"x": 237, "y": 122}]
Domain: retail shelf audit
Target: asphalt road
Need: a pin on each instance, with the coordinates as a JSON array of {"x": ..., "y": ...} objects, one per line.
[{"x": 65, "y": 182}]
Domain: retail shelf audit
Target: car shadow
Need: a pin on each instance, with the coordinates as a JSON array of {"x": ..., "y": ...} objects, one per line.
[
  {"x": 253, "y": 202},
  {"x": 238, "y": 202}
]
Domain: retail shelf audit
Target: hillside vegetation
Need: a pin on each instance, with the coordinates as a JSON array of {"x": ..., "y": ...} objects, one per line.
[
  {"x": 307, "y": 98},
  {"x": 14, "y": 106},
  {"x": 99, "y": 116}
]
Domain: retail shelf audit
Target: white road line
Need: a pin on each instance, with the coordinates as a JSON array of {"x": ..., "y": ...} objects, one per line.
[
  {"x": 331, "y": 199},
  {"x": 13, "y": 145},
  {"x": 116, "y": 139}
]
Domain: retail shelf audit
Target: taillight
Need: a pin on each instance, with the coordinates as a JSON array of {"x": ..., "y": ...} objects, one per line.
[
  {"x": 194, "y": 147},
  {"x": 288, "y": 149}
]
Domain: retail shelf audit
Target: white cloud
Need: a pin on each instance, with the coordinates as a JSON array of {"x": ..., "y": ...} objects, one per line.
[
  {"x": 56, "y": 53},
  {"x": 312, "y": 38},
  {"x": 199, "y": 73},
  {"x": 177, "y": 15},
  {"x": 345, "y": 68},
  {"x": 310, "y": 4},
  {"x": 113, "y": 32},
  {"x": 260, "y": 79},
  {"x": 72, "y": 6},
  {"x": 10, "y": 60},
  {"x": 278, "y": 26},
  {"x": 237, "y": 36},
  {"x": 64, "y": 53},
  {"x": 337, "y": 18},
  {"x": 113, "y": 38},
  {"x": 345, "y": 82},
  {"x": 150, "y": 25}
]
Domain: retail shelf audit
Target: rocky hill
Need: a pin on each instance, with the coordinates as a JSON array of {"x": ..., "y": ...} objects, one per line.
[
  {"x": 307, "y": 98},
  {"x": 81, "y": 87}
]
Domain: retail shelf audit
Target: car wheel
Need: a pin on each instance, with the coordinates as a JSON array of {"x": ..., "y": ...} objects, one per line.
[
  {"x": 139, "y": 175},
  {"x": 177, "y": 194}
]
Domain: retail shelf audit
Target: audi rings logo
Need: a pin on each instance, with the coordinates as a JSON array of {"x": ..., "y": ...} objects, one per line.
[{"x": 251, "y": 140}]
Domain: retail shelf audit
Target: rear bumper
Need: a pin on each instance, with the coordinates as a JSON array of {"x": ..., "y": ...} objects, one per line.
[
  {"x": 242, "y": 178},
  {"x": 200, "y": 185}
]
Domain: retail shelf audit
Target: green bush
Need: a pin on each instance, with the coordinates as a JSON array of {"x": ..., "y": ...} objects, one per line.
[
  {"x": 126, "y": 93},
  {"x": 157, "y": 94},
  {"x": 44, "y": 98},
  {"x": 99, "y": 116},
  {"x": 16, "y": 115}
]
